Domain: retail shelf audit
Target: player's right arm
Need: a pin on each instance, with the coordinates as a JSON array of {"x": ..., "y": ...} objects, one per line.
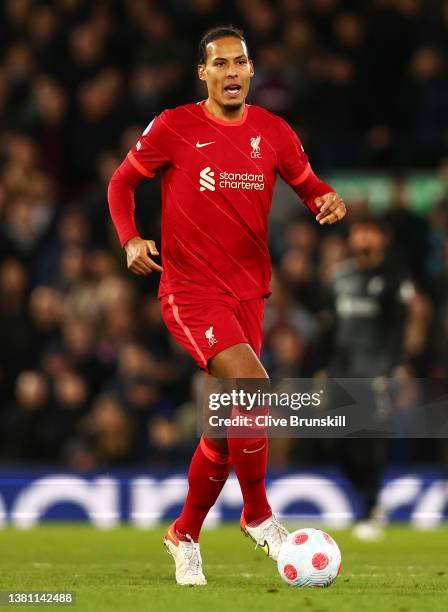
[{"x": 141, "y": 162}]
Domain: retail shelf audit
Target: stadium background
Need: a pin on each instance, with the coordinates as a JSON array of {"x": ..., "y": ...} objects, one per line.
[{"x": 89, "y": 379}]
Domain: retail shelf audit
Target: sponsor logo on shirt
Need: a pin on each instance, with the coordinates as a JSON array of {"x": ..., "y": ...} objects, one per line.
[
  {"x": 230, "y": 180},
  {"x": 206, "y": 179},
  {"x": 255, "y": 144},
  {"x": 210, "y": 336}
]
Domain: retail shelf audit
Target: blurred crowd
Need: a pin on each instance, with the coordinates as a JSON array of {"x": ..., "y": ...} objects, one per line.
[
  {"x": 88, "y": 374},
  {"x": 364, "y": 82}
]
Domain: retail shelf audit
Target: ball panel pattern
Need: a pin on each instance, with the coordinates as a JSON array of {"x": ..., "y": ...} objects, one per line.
[{"x": 309, "y": 559}]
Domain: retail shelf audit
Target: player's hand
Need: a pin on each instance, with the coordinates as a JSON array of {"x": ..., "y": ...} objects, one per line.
[
  {"x": 139, "y": 261},
  {"x": 331, "y": 208}
]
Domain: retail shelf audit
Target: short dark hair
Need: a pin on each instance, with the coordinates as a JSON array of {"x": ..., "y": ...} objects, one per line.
[
  {"x": 380, "y": 222},
  {"x": 214, "y": 34}
]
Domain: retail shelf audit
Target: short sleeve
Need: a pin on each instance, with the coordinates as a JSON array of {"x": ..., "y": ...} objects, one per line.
[
  {"x": 293, "y": 164},
  {"x": 151, "y": 151}
]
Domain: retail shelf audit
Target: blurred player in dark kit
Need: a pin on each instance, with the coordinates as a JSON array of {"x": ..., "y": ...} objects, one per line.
[{"x": 369, "y": 295}]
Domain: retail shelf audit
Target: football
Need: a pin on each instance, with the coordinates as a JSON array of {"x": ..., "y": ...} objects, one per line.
[{"x": 309, "y": 558}]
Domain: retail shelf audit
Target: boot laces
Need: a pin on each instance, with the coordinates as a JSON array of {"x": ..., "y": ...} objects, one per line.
[
  {"x": 274, "y": 531},
  {"x": 192, "y": 555}
]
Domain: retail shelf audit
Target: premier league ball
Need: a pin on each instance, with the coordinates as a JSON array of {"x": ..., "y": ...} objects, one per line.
[{"x": 309, "y": 558}]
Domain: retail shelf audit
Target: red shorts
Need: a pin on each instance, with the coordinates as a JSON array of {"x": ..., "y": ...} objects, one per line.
[{"x": 206, "y": 324}]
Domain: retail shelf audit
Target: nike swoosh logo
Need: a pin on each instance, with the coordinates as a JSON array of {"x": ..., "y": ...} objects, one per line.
[
  {"x": 199, "y": 145},
  {"x": 248, "y": 452},
  {"x": 217, "y": 479},
  {"x": 265, "y": 548}
]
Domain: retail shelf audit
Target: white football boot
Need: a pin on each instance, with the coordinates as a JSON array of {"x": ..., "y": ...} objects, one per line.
[
  {"x": 187, "y": 557},
  {"x": 268, "y": 535}
]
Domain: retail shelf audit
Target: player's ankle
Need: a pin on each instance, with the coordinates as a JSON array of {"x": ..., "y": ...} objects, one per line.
[
  {"x": 257, "y": 520},
  {"x": 184, "y": 535}
]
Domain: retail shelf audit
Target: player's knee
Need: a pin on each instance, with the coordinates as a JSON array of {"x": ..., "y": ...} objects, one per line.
[
  {"x": 219, "y": 445},
  {"x": 238, "y": 361}
]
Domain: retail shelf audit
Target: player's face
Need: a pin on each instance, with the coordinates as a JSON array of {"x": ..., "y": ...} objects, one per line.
[{"x": 227, "y": 72}]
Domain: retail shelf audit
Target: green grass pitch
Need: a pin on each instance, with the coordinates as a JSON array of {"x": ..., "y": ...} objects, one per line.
[{"x": 127, "y": 569}]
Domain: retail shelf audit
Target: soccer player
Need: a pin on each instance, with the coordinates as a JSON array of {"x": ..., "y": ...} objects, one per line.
[{"x": 219, "y": 160}]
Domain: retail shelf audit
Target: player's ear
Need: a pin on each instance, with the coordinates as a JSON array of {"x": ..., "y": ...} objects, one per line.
[
  {"x": 201, "y": 71},
  {"x": 251, "y": 68}
]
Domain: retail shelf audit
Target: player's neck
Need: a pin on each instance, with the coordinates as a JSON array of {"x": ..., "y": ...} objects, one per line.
[{"x": 222, "y": 113}]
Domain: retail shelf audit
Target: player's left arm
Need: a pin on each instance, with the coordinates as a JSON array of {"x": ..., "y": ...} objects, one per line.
[{"x": 327, "y": 206}]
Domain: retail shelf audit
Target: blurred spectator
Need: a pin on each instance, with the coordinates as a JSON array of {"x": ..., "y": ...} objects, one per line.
[
  {"x": 15, "y": 329},
  {"x": 24, "y": 435},
  {"x": 108, "y": 431},
  {"x": 370, "y": 295},
  {"x": 45, "y": 115},
  {"x": 424, "y": 117},
  {"x": 440, "y": 328},
  {"x": 287, "y": 350},
  {"x": 299, "y": 276},
  {"x": 410, "y": 231},
  {"x": 273, "y": 85},
  {"x": 46, "y": 312}
]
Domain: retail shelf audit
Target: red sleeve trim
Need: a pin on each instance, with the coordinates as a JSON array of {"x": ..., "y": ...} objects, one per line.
[
  {"x": 311, "y": 188},
  {"x": 302, "y": 177},
  {"x": 137, "y": 165}
]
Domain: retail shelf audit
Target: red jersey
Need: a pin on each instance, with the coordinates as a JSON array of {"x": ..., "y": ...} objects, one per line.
[{"x": 217, "y": 184}]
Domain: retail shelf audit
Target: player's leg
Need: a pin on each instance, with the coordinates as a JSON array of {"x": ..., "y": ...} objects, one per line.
[
  {"x": 208, "y": 472},
  {"x": 207, "y": 326},
  {"x": 210, "y": 464},
  {"x": 249, "y": 454}
]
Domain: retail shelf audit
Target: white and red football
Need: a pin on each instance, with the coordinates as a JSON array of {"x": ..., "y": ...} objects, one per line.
[{"x": 309, "y": 558}]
